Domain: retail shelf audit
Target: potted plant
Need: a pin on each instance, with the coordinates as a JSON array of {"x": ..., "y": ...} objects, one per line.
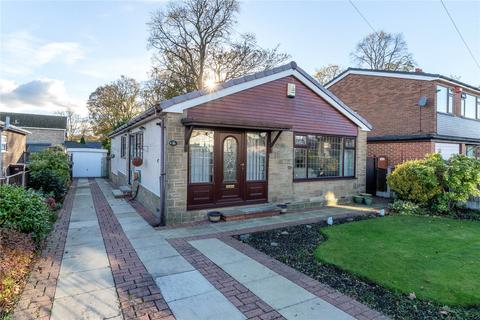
[
  {"x": 283, "y": 208},
  {"x": 357, "y": 199},
  {"x": 214, "y": 216}
]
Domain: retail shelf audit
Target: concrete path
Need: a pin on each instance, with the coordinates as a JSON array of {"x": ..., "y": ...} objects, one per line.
[
  {"x": 85, "y": 288},
  {"x": 289, "y": 299}
]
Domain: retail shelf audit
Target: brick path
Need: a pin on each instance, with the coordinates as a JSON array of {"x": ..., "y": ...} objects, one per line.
[
  {"x": 37, "y": 298},
  {"x": 139, "y": 296}
]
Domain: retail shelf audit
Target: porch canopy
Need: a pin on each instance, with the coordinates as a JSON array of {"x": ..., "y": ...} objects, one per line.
[{"x": 191, "y": 123}]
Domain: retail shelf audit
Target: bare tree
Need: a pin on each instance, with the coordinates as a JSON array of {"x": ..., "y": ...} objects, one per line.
[
  {"x": 242, "y": 57},
  {"x": 327, "y": 73},
  {"x": 74, "y": 123},
  {"x": 383, "y": 51},
  {"x": 193, "y": 40},
  {"x": 111, "y": 105}
]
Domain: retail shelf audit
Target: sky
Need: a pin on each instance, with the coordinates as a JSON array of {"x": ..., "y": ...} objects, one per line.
[{"x": 53, "y": 54}]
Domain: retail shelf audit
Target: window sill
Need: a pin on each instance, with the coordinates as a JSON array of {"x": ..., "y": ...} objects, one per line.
[{"x": 323, "y": 179}]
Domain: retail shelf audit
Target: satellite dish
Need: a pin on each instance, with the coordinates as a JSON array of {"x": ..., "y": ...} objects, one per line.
[{"x": 422, "y": 102}]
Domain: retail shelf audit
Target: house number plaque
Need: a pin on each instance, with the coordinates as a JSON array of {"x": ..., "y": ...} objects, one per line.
[{"x": 230, "y": 186}]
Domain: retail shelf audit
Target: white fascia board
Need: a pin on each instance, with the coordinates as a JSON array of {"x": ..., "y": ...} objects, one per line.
[
  {"x": 382, "y": 74},
  {"x": 180, "y": 107}
]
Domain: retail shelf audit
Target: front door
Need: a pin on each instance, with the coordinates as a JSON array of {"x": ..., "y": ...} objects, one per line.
[{"x": 229, "y": 167}]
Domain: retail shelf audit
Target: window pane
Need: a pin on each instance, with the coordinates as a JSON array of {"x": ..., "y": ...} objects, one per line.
[
  {"x": 478, "y": 108},
  {"x": 473, "y": 151},
  {"x": 469, "y": 106},
  {"x": 325, "y": 157},
  {"x": 349, "y": 143},
  {"x": 349, "y": 162},
  {"x": 450, "y": 100},
  {"x": 442, "y": 103},
  {"x": 300, "y": 168},
  {"x": 201, "y": 156},
  {"x": 300, "y": 140},
  {"x": 230, "y": 159},
  {"x": 256, "y": 156}
]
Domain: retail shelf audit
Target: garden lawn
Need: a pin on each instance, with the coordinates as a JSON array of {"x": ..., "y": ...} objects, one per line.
[{"x": 436, "y": 258}]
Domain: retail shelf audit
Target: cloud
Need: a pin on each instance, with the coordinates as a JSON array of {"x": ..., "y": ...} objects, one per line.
[
  {"x": 42, "y": 95},
  {"x": 23, "y": 53}
]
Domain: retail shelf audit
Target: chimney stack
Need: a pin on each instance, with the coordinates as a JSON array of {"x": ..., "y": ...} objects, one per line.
[
  {"x": 7, "y": 121},
  {"x": 418, "y": 70}
]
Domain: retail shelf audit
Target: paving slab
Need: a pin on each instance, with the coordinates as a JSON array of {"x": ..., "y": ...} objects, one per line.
[
  {"x": 278, "y": 292},
  {"x": 167, "y": 266},
  {"x": 208, "y": 306},
  {"x": 315, "y": 309},
  {"x": 144, "y": 239},
  {"x": 217, "y": 251},
  {"x": 75, "y": 262},
  {"x": 100, "y": 304},
  {"x": 183, "y": 285},
  {"x": 82, "y": 282},
  {"x": 247, "y": 270},
  {"x": 156, "y": 251}
]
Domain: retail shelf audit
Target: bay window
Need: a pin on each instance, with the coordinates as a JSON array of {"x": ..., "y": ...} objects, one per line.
[{"x": 320, "y": 156}]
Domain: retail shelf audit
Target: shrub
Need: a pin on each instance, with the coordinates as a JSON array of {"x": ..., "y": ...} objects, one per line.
[
  {"x": 16, "y": 255},
  {"x": 415, "y": 181},
  {"x": 47, "y": 181},
  {"x": 407, "y": 207},
  {"x": 25, "y": 211},
  {"x": 50, "y": 172},
  {"x": 441, "y": 185}
]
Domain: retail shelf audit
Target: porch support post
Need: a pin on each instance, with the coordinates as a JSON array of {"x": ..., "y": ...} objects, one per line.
[
  {"x": 188, "y": 134},
  {"x": 272, "y": 143}
]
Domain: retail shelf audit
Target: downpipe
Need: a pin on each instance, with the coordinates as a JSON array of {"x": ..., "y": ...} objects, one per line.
[{"x": 162, "y": 178}]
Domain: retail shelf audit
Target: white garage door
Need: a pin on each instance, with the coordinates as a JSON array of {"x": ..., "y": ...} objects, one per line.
[
  {"x": 88, "y": 162},
  {"x": 447, "y": 149}
]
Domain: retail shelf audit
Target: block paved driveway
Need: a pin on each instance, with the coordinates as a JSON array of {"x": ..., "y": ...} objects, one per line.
[{"x": 115, "y": 265}]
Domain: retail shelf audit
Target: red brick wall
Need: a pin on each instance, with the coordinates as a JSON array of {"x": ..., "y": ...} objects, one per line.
[
  {"x": 390, "y": 104},
  {"x": 307, "y": 112},
  {"x": 398, "y": 152}
]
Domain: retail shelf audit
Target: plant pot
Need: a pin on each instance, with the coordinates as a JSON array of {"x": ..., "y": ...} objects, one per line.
[
  {"x": 367, "y": 200},
  {"x": 214, "y": 216},
  {"x": 357, "y": 199},
  {"x": 283, "y": 208}
]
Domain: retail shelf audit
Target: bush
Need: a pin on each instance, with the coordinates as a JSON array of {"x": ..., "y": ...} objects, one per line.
[
  {"x": 407, "y": 207},
  {"x": 25, "y": 211},
  {"x": 415, "y": 181},
  {"x": 441, "y": 185},
  {"x": 50, "y": 172},
  {"x": 16, "y": 255}
]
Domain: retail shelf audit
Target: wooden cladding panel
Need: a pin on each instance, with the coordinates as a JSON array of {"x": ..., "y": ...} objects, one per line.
[{"x": 306, "y": 112}]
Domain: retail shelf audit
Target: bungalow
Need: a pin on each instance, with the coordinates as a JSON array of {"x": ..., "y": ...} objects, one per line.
[{"x": 275, "y": 136}]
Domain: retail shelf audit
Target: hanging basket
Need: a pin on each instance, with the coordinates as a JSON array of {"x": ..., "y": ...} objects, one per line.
[{"x": 137, "y": 161}]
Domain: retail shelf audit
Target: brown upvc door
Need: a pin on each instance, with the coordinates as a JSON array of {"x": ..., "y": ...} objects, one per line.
[{"x": 229, "y": 167}]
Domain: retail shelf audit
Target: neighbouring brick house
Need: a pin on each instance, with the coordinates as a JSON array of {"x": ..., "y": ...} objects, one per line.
[
  {"x": 272, "y": 137},
  {"x": 412, "y": 113},
  {"x": 13, "y": 146},
  {"x": 46, "y": 130}
]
